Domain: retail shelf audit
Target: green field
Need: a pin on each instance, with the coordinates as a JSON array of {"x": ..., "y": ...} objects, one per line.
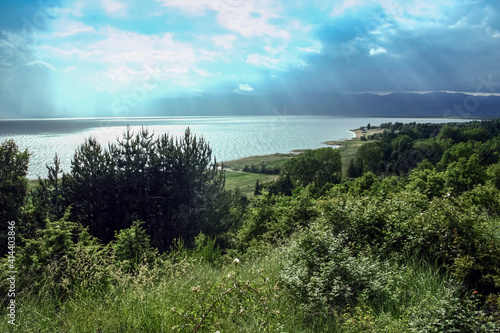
[
  {"x": 245, "y": 181},
  {"x": 271, "y": 160},
  {"x": 349, "y": 148}
]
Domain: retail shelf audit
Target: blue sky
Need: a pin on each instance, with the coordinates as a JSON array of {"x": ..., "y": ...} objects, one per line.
[{"x": 77, "y": 58}]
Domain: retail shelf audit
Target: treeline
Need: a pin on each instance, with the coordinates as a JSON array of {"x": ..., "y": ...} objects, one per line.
[
  {"x": 401, "y": 147},
  {"x": 263, "y": 168}
]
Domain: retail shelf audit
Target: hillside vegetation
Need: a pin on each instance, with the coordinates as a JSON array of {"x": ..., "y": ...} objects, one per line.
[{"x": 143, "y": 236}]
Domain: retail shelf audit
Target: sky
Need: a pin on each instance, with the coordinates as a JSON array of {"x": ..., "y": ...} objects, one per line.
[{"x": 63, "y": 58}]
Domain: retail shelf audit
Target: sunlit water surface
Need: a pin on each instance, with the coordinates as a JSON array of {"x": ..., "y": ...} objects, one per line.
[{"x": 230, "y": 137}]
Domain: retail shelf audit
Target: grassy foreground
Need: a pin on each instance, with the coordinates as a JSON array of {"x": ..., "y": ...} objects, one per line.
[{"x": 191, "y": 295}]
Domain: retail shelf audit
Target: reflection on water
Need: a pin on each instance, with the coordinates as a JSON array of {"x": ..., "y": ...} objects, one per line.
[{"x": 229, "y": 137}]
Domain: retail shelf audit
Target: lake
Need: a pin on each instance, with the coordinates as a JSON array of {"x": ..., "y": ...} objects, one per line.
[{"x": 230, "y": 137}]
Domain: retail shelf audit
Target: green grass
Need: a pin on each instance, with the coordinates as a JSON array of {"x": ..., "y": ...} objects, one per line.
[
  {"x": 348, "y": 150},
  {"x": 32, "y": 183},
  {"x": 271, "y": 160},
  {"x": 245, "y": 181},
  {"x": 175, "y": 298}
]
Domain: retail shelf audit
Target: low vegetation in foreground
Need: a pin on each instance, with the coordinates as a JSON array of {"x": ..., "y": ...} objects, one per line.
[{"x": 143, "y": 236}]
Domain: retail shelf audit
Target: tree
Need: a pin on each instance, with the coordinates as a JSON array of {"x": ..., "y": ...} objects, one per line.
[
  {"x": 13, "y": 181},
  {"x": 258, "y": 188},
  {"x": 49, "y": 196},
  {"x": 171, "y": 184},
  {"x": 464, "y": 174},
  {"x": 355, "y": 169},
  {"x": 451, "y": 133},
  {"x": 370, "y": 155},
  {"x": 320, "y": 166},
  {"x": 494, "y": 174},
  {"x": 13, "y": 186},
  {"x": 88, "y": 187}
]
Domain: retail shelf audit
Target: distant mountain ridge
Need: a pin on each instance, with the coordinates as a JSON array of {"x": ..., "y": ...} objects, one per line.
[
  {"x": 434, "y": 104},
  {"x": 398, "y": 104}
]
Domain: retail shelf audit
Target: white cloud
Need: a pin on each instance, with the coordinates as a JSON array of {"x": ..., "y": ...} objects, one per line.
[
  {"x": 282, "y": 61},
  {"x": 347, "y": 4},
  {"x": 202, "y": 73},
  {"x": 262, "y": 61},
  {"x": 75, "y": 8},
  {"x": 248, "y": 18},
  {"x": 121, "y": 58},
  {"x": 69, "y": 69},
  {"x": 41, "y": 63},
  {"x": 119, "y": 46},
  {"x": 314, "y": 48},
  {"x": 64, "y": 28},
  {"x": 378, "y": 50},
  {"x": 245, "y": 87},
  {"x": 308, "y": 49},
  {"x": 297, "y": 25},
  {"x": 273, "y": 51},
  {"x": 114, "y": 7},
  {"x": 401, "y": 11},
  {"x": 225, "y": 41}
]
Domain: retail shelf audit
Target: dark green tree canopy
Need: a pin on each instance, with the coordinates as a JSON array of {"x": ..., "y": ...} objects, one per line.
[
  {"x": 319, "y": 166},
  {"x": 170, "y": 183}
]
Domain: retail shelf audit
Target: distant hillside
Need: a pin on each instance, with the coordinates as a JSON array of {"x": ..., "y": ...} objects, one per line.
[
  {"x": 411, "y": 105},
  {"x": 393, "y": 105}
]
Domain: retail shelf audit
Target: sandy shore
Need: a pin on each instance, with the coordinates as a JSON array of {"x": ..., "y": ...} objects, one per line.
[{"x": 357, "y": 134}]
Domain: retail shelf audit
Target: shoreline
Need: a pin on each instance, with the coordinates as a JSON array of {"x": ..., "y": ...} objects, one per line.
[{"x": 357, "y": 134}]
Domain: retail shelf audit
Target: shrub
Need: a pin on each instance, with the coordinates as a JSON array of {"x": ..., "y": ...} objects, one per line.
[
  {"x": 449, "y": 314},
  {"x": 274, "y": 218},
  {"x": 207, "y": 249},
  {"x": 62, "y": 260},
  {"x": 324, "y": 273},
  {"x": 132, "y": 247}
]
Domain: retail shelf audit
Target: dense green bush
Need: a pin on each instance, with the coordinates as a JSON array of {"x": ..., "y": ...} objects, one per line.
[
  {"x": 132, "y": 247},
  {"x": 272, "y": 219},
  {"x": 324, "y": 273},
  {"x": 63, "y": 260}
]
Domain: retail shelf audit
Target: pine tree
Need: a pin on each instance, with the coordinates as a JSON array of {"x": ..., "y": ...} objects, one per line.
[
  {"x": 13, "y": 186},
  {"x": 258, "y": 189}
]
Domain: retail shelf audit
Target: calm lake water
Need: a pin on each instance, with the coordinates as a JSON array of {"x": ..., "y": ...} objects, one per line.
[{"x": 229, "y": 137}]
